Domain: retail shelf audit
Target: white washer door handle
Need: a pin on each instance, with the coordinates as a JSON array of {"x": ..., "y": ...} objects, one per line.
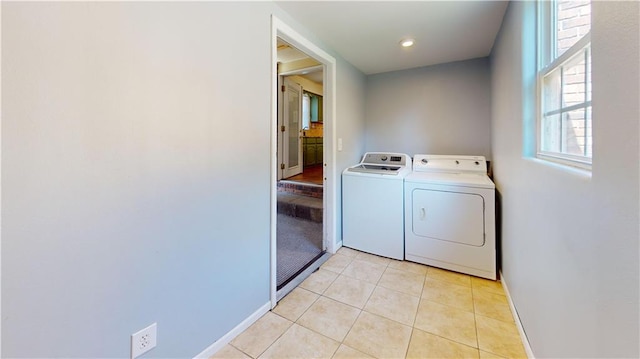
[{"x": 423, "y": 213}]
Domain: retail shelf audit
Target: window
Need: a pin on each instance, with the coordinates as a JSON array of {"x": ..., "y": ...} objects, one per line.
[
  {"x": 316, "y": 107},
  {"x": 311, "y": 109},
  {"x": 564, "y": 82},
  {"x": 306, "y": 111}
]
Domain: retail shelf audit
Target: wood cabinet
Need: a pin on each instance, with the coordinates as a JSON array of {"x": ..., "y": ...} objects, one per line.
[{"x": 312, "y": 148}]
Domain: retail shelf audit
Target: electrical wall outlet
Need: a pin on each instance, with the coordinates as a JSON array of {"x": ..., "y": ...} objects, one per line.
[{"x": 144, "y": 340}]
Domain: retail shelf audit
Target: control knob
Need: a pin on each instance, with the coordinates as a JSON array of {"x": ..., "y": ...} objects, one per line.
[
  {"x": 425, "y": 161},
  {"x": 384, "y": 158}
]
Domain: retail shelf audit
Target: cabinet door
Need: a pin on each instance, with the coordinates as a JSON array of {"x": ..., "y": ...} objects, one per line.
[
  {"x": 305, "y": 146},
  {"x": 310, "y": 158},
  {"x": 319, "y": 152}
]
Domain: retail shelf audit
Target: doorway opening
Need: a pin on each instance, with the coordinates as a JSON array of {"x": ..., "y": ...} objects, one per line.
[
  {"x": 284, "y": 33},
  {"x": 300, "y": 179}
]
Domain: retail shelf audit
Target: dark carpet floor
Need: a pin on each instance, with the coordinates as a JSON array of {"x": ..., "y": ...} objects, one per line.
[{"x": 299, "y": 242}]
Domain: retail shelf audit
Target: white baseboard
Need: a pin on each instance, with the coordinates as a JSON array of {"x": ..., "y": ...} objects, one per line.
[
  {"x": 220, "y": 343},
  {"x": 516, "y": 318}
]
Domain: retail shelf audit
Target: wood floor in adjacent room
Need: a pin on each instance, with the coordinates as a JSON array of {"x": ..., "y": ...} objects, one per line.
[
  {"x": 363, "y": 306},
  {"x": 312, "y": 174}
]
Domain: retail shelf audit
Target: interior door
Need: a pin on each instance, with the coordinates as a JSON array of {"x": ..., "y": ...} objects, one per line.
[{"x": 292, "y": 129}]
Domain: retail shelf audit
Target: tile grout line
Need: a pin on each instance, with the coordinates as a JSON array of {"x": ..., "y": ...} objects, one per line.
[
  {"x": 341, "y": 342},
  {"x": 475, "y": 315},
  {"x": 420, "y": 298},
  {"x": 424, "y": 282},
  {"x": 321, "y": 295},
  {"x": 376, "y": 285},
  {"x": 473, "y": 312},
  {"x": 315, "y": 331},
  {"x": 447, "y": 338},
  {"x": 415, "y": 317},
  {"x": 240, "y": 350},
  {"x": 406, "y": 352},
  {"x": 331, "y": 282},
  {"x": 475, "y": 321},
  {"x": 309, "y": 307},
  {"x": 490, "y": 317},
  {"x": 278, "y": 338}
]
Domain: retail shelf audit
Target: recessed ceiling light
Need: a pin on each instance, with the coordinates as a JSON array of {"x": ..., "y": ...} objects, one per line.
[{"x": 407, "y": 42}]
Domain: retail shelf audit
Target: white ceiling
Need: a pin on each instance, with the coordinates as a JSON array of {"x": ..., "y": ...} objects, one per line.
[
  {"x": 287, "y": 53},
  {"x": 315, "y": 76},
  {"x": 367, "y": 33}
]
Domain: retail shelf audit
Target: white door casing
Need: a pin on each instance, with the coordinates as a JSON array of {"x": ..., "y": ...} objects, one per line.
[{"x": 330, "y": 200}]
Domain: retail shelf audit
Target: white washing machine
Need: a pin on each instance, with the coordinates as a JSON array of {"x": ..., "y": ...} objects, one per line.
[
  {"x": 373, "y": 204},
  {"x": 450, "y": 214}
]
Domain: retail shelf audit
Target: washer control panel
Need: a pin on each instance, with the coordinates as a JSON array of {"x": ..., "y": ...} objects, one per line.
[{"x": 398, "y": 159}]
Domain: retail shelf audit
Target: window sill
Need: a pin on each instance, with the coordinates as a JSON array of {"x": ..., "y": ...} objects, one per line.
[{"x": 563, "y": 165}]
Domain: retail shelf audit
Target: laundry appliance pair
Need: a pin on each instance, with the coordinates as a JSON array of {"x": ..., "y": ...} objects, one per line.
[{"x": 435, "y": 209}]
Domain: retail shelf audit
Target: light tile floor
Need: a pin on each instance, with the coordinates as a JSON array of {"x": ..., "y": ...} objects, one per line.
[{"x": 360, "y": 305}]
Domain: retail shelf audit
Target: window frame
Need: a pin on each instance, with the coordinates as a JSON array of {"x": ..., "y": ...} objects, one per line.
[{"x": 546, "y": 39}]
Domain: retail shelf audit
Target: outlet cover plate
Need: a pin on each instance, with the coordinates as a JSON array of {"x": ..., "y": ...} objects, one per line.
[{"x": 144, "y": 340}]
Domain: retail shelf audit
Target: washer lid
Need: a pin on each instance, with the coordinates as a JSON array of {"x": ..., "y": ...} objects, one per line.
[
  {"x": 451, "y": 179},
  {"x": 380, "y": 169}
]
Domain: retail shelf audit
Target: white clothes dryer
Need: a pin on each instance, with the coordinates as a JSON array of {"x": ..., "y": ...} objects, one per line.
[
  {"x": 450, "y": 214},
  {"x": 373, "y": 204}
]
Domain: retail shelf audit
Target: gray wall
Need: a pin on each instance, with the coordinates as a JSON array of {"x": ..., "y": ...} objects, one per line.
[
  {"x": 135, "y": 177},
  {"x": 570, "y": 239},
  {"x": 442, "y": 109},
  {"x": 350, "y": 98}
]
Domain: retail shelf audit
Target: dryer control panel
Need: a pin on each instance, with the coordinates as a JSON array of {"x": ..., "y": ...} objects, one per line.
[{"x": 450, "y": 164}]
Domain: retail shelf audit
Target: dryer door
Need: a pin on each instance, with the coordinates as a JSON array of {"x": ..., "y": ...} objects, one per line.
[{"x": 449, "y": 216}]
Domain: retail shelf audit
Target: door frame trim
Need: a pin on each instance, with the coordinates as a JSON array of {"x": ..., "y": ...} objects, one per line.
[{"x": 284, "y": 31}]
